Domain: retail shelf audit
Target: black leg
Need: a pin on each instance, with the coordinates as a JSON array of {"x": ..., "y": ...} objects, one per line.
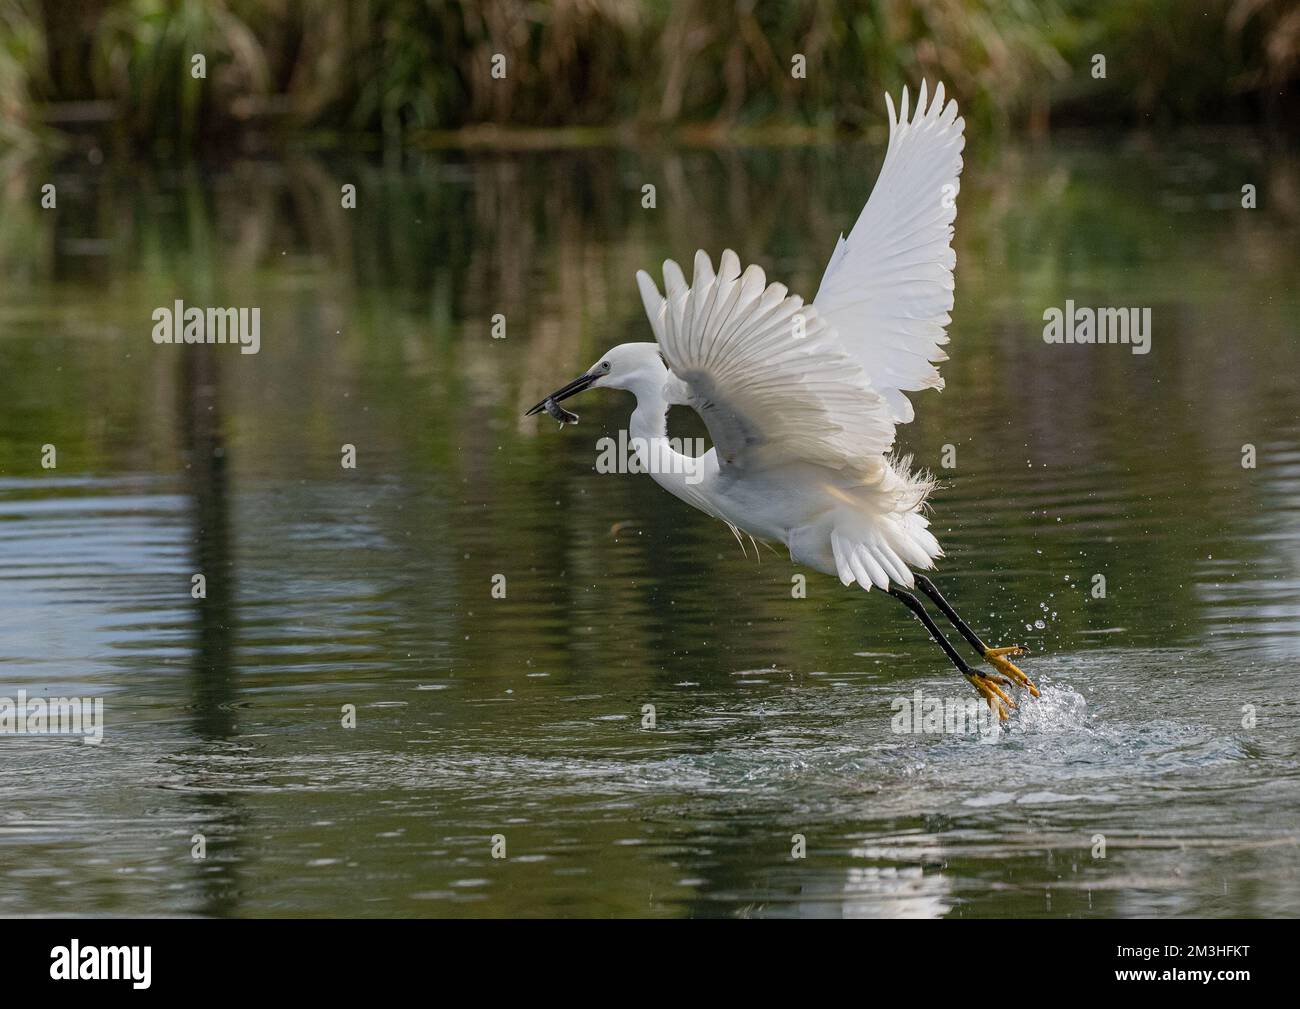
[
  {"x": 914, "y": 604},
  {"x": 997, "y": 657},
  {"x": 986, "y": 685},
  {"x": 963, "y": 628}
]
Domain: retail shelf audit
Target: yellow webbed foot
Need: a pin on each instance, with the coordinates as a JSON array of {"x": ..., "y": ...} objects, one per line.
[{"x": 996, "y": 658}]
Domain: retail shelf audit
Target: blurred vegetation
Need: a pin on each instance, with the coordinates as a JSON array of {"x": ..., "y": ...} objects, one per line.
[{"x": 406, "y": 70}]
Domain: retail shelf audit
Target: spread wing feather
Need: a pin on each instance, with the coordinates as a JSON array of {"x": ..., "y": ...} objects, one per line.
[
  {"x": 888, "y": 287},
  {"x": 777, "y": 380},
  {"x": 763, "y": 370}
]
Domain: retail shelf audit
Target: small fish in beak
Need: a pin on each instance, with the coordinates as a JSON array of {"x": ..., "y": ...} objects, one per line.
[
  {"x": 558, "y": 412},
  {"x": 551, "y": 404}
]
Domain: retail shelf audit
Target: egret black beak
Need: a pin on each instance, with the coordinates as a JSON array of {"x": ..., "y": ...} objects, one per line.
[{"x": 564, "y": 392}]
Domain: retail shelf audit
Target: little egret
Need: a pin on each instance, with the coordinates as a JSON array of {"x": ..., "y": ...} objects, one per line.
[{"x": 801, "y": 401}]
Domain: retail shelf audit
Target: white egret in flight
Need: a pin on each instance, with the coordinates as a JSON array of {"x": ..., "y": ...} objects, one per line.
[{"x": 801, "y": 400}]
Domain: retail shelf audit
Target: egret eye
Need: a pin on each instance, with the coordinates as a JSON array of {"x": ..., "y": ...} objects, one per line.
[{"x": 604, "y": 366}]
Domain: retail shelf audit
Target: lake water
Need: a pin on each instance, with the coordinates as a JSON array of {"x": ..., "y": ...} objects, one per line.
[{"x": 1169, "y": 727}]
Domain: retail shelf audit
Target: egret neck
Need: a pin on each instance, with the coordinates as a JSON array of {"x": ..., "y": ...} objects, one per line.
[{"x": 681, "y": 475}]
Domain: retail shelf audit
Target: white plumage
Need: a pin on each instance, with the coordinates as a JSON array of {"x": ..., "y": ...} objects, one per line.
[
  {"x": 888, "y": 289},
  {"x": 801, "y": 400}
]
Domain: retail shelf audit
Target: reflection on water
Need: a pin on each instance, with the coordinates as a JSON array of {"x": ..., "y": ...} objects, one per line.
[{"x": 522, "y": 716}]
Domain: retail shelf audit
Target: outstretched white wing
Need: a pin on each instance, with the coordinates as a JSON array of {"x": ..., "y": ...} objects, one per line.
[
  {"x": 888, "y": 288},
  {"x": 764, "y": 371}
]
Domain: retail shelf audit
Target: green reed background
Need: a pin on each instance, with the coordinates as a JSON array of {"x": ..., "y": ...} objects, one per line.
[{"x": 406, "y": 70}]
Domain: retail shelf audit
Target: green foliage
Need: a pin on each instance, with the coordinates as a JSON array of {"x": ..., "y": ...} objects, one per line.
[
  {"x": 404, "y": 68},
  {"x": 142, "y": 57},
  {"x": 22, "y": 62}
]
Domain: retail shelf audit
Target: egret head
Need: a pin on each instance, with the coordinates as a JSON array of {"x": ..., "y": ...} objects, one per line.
[{"x": 631, "y": 366}]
